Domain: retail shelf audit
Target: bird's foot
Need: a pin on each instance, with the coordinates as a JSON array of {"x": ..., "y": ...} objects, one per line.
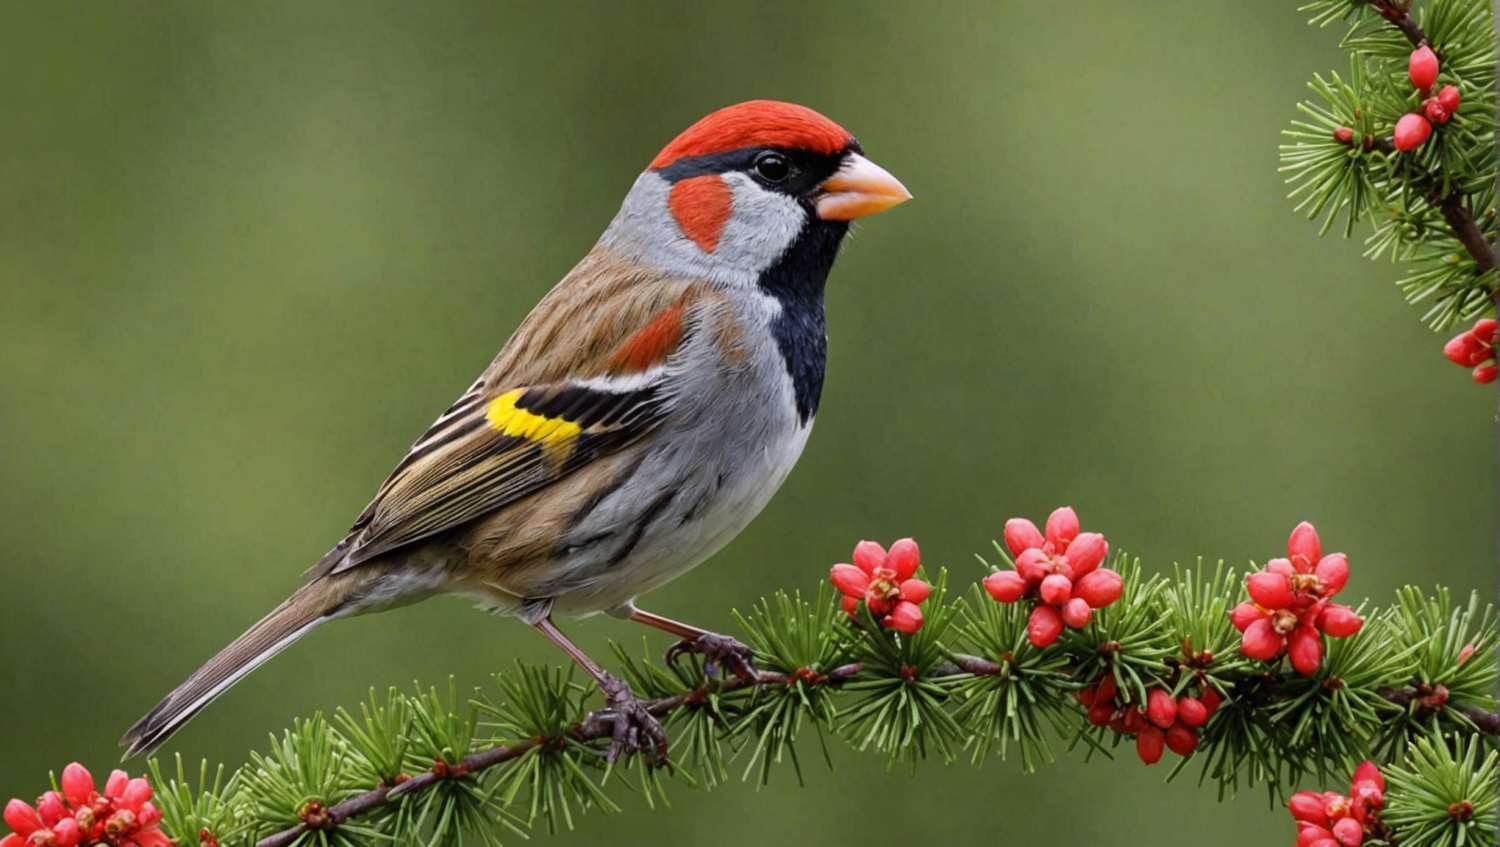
[
  {"x": 718, "y": 651},
  {"x": 631, "y": 727}
]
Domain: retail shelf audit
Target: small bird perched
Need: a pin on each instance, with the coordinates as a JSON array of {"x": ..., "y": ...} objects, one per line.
[{"x": 637, "y": 420}]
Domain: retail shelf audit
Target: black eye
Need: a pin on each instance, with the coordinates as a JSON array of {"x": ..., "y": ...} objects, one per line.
[{"x": 772, "y": 167}]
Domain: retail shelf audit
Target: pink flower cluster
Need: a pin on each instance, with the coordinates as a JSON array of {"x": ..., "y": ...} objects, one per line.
[
  {"x": 1060, "y": 570},
  {"x": 885, "y": 583},
  {"x": 1331, "y": 819},
  {"x": 1473, "y": 348},
  {"x": 1290, "y": 608},
  {"x": 121, "y": 817}
]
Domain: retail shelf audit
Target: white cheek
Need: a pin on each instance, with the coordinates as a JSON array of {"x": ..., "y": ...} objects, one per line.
[{"x": 763, "y": 225}]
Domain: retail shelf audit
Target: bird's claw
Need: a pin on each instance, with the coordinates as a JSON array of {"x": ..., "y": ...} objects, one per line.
[
  {"x": 631, "y": 727},
  {"x": 718, "y": 651}
]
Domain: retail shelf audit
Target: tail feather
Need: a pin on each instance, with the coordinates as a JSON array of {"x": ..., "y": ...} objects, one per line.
[{"x": 288, "y": 622}]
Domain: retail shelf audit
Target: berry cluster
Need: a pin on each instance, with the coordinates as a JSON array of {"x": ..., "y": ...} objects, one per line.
[
  {"x": 1290, "y": 609},
  {"x": 885, "y": 583},
  {"x": 1164, "y": 722},
  {"x": 121, "y": 817},
  {"x": 1414, "y": 128},
  {"x": 1334, "y": 820},
  {"x": 1060, "y": 570},
  {"x": 1472, "y": 348}
]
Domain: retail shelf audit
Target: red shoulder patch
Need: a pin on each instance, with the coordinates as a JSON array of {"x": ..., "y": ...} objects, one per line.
[
  {"x": 702, "y": 205},
  {"x": 653, "y": 343},
  {"x": 756, "y": 123}
]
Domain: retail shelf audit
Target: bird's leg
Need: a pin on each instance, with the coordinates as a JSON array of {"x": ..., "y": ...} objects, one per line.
[
  {"x": 717, "y": 650},
  {"x": 631, "y": 726}
]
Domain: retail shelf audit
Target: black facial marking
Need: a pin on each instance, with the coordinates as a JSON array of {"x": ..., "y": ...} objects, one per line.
[
  {"x": 798, "y": 277},
  {"x": 797, "y": 281},
  {"x": 806, "y": 170}
]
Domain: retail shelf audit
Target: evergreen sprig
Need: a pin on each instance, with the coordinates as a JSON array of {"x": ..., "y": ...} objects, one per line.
[
  {"x": 970, "y": 679},
  {"x": 1432, "y": 206}
]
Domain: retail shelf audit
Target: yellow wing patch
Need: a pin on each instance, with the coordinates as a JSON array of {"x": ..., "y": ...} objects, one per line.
[{"x": 554, "y": 434}]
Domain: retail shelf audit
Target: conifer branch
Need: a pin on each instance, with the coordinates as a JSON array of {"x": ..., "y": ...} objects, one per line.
[
  {"x": 482, "y": 760},
  {"x": 1399, "y": 14}
]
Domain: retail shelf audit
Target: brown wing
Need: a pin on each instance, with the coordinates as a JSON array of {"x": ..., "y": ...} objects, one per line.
[{"x": 579, "y": 379}]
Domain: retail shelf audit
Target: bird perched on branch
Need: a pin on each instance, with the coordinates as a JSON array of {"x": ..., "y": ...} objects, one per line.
[{"x": 637, "y": 420}]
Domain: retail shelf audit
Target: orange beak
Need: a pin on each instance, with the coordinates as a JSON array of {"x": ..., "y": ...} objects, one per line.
[{"x": 860, "y": 188}]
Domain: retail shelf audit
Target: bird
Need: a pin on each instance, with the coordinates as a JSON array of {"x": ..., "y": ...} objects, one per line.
[{"x": 634, "y": 423}]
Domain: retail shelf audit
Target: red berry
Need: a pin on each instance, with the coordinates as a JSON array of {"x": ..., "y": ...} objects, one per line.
[
  {"x": 1107, "y": 690},
  {"x": 1045, "y": 625},
  {"x": 1303, "y": 547},
  {"x": 1191, "y": 711},
  {"x": 1100, "y": 713},
  {"x": 67, "y": 833},
  {"x": 1021, "y": 534},
  {"x": 1262, "y": 641},
  {"x": 1305, "y": 646},
  {"x": 1423, "y": 67},
  {"x": 1368, "y": 772},
  {"x": 1348, "y": 832},
  {"x": 1343, "y": 135},
  {"x": 1086, "y": 696},
  {"x": 1434, "y": 111},
  {"x": 1339, "y": 621},
  {"x": 1309, "y": 834},
  {"x": 1449, "y": 98},
  {"x": 848, "y": 579},
  {"x": 906, "y": 617},
  {"x": 50, "y": 808},
  {"x": 77, "y": 784},
  {"x": 1161, "y": 709},
  {"x": 1308, "y": 806},
  {"x": 1062, "y": 528},
  {"x": 22, "y": 818},
  {"x": 904, "y": 559},
  {"x": 1086, "y": 552},
  {"x": 1032, "y": 564},
  {"x": 1056, "y": 589},
  {"x": 1148, "y": 745},
  {"x": 1211, "y": 699},
  {"x": 1099, "y": 588},
  {"x": 1466, "y": 349},
  {"x": 1270, "y": 590},
  {"x": 1484, "y": 329},
  {"x": 1245, "y": 614},
  {"x": 915, "y": 590},
  {"x": 1181, "y": 740},
  {"x": 1076, "y": 613},
  {"x": 1005, "y": 586},
  {"x": 869, "y": 555},
  {"x": 1411, "y": 131},
  {"x": 1485, "y": 375},
  {"x": 1135, "y": 720},
  {"x": 1333, "y": 574}
]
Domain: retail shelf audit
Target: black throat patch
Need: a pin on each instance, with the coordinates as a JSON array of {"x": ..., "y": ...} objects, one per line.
[{"x": 796, "y": 281}]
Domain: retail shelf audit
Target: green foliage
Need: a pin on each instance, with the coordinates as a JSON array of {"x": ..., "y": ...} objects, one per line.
[
  {"x": 1017, "y": 706},
  {"x": 1440, "y": 798},
  {"x": 970, "y": 678},
  {"x": 1414, "y": 199}
]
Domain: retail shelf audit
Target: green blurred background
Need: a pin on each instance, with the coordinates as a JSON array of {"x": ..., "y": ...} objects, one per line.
[{"x": 249, "y": 251}]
